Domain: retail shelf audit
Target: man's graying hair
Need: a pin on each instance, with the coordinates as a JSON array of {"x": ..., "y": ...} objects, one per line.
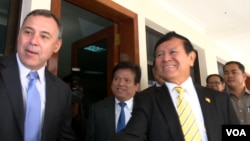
[{"x": 49, "y": 14}]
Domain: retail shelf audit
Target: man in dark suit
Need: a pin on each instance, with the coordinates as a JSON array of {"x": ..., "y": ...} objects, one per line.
[
  {"x": 155, "y": 116},
  {"x": 104, "y": 115},
  {"x": 39, "y": 37}
]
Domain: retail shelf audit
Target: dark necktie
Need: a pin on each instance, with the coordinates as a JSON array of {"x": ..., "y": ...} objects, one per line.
[
  {"x": 121, "y": 120},
  {"x": 33, "y": 108},
  {"x": 188, "y": 122}
]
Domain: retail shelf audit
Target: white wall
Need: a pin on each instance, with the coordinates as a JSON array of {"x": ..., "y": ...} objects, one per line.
[
  {"x": 29, "y": 5},
  {"x": 153, "y": 14},
  {"x": 163, "y": 19}
]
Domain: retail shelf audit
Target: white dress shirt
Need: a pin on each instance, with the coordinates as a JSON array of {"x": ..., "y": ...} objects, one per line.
[
  {"x": 127, "y": 109},
  {"x": 40, "y": 84},
  {"x": 192, "y": 98}
]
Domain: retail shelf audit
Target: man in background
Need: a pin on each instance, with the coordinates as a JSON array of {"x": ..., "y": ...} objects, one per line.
[
  {"x": 235, "y": 77},
  {"x": 80, "y": 104},
  {"x": 105, "y": 116},
  {"x": 215, "y": 81},
  {"x": 159, "y": 81}
]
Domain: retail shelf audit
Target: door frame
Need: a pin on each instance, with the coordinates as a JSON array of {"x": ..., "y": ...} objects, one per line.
[
  {"x": 109, "y": 34},
  {"x": 127, "y": 25}
]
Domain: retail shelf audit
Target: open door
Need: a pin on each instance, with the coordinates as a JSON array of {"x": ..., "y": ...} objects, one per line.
[
  {"x": 96, "y": 55},
  {"x": 128, "y": 26}
]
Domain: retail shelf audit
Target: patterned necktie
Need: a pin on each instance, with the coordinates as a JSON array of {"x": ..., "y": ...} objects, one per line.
[
  {"x": 33, "y": 108},
  {"x": 189, "y": 125},
  {"x": 121, "y": 120}
]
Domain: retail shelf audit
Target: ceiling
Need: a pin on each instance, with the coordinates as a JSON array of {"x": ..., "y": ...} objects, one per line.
[{"x": 226, "y": 22}]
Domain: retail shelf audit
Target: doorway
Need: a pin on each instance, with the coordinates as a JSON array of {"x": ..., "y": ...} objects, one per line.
[
  {"x": 84, "y": 32},
  {"x": 110, "y": 13},
  {"x": 94, "y": 55}
]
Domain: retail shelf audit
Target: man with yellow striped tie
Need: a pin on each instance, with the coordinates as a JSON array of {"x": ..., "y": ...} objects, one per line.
[{"x": 179, "y": 110}]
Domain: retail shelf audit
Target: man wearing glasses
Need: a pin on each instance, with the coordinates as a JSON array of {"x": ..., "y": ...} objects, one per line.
[{"x": 215, "y": 81}]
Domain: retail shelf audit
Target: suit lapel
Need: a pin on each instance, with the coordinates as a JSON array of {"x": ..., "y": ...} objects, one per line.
[
  {"x": 51, "y": 94},
  {"x": 208, "y": 105},
  {"x": 10, "y": 75},
  {"x": 168, "y": 110},
  {"x": 109, "y": 113}
]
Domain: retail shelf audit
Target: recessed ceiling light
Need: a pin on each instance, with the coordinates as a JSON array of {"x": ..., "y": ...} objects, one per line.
[{"x": 93, "y": 48}]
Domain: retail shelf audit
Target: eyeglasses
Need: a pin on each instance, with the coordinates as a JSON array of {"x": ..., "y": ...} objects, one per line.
[{"x": 214, "y": 83}]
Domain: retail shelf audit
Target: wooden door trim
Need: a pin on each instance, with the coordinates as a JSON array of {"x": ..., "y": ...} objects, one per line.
[
  {"x": 126, "y": 19},
  {"x": 52, "y": 63}
]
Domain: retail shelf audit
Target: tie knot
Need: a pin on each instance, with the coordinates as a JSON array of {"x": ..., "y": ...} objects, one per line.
[
  {"x": 122, "y": 104},
  {"x": 33, "y": 75},
  {"x": 179, "y": 89}
]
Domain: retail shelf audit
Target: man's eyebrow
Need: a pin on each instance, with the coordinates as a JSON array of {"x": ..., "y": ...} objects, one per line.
[
  {"x": 27, "y": 27},
  {"x": 45, "y": 32}
]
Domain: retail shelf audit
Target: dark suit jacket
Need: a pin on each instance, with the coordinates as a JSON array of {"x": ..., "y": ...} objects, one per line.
[
  {"x": 101, "y": 120},
  {"x": 155, "y": 118},
  {"x": 57, "y": 114},
  {"x": 151, "y": 89}
]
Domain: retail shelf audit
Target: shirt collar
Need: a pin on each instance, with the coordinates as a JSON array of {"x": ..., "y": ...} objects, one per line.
[
  {"x": 129, "y": 103},
  {"x": 188, "y": 85},
  {"x": 246, "y": 91},
  {"x": 24, "y": 71}
]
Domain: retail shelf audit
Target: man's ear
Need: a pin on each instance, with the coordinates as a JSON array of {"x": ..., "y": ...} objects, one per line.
[
  {"x": 245, "y": 76},
  {"x": 192, "y": 57},
  {"x": 58, "y": 45}
]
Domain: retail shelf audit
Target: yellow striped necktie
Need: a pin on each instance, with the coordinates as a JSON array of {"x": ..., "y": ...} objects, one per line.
[{"x": 189, "y": 125}]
